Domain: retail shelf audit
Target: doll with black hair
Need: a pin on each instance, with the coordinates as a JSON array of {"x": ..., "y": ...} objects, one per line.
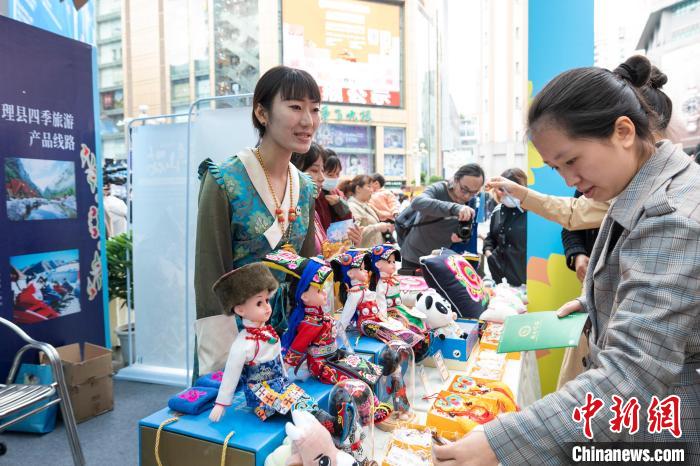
[
  {"x": 311, "y": 332},
  {"x": 385, "y": 283},
  {"x": 255, "y": 355},
  {"x": 351, "y": 269}
]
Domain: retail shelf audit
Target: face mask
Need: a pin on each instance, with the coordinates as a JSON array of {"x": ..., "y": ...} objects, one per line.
[
  {"x": 510, "y": 201},
  {"x": 330, "y": 184}
]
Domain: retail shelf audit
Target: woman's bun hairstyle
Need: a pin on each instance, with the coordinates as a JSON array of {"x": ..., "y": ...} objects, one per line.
[{"x": 636, "y": 70}]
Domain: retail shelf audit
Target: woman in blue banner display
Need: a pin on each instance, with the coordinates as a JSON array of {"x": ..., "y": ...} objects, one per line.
[
  {"x": 257, "y": 201},
  {"x": 641, "y": 290}
]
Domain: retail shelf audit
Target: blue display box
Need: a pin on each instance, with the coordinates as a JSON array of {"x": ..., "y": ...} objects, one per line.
[
  {"x": 197, "y": 440},
  {"x": 366, "y": 347},
  {"x": 455, "y": 351}
]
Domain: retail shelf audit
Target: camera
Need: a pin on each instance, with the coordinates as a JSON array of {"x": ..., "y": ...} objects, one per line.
[{"x": 464, "y": 230}]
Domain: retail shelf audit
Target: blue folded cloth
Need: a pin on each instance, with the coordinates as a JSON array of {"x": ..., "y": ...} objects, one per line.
[
  {"x": 212, "y": 380},
  {"x": 194, "y": 400}
]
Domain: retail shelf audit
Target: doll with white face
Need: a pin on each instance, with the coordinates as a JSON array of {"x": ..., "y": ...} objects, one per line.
[
  {"x": 385, "y": 282},
  {"x": 359, "y": 302},
  {"x": 255, "y": 355}
]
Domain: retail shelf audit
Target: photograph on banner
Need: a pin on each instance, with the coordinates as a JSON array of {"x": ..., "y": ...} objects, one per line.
[
  {"x": 45, "y": 285},
  {"x": 394, "y": 138},
  {"x": 355, "y": 164},
  {"x": 39, "y": 189},
  {"x": 394, "y": 165},
  {"x": 352, "y": 48}
]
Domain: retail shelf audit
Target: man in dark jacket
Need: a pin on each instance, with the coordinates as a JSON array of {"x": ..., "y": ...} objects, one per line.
[{"x": 577, "y": 248}]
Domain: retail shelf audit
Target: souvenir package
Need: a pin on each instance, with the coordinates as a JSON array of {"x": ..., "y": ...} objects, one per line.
[
  {"x": 352, "y": 406},
  {"x": 411, "y": 444},
  {"x": 338, "y": 241},
  {"x": 455, "y": 412},
  {"x": 255, "y": 355},
  {"x": 497, "y": 391},
  {"x": 194, "y": 400},
  {"x": 485, "y": 365},
  {"x": 491, "y": 336}
]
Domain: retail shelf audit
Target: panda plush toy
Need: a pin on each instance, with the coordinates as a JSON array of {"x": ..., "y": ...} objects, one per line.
[{"x": 440, "y": 316}]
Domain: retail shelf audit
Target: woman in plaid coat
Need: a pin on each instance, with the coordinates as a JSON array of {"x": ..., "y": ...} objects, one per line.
[{"x": 642, "y": 287}]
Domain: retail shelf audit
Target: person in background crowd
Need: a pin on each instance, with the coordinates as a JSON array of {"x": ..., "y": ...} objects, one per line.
[
  {"x": 256, "y": 201},
  {"x": 385, "y": 203},
  {"x": 346, "y": 188},
  {"x": 331, "y": 205},
  {"x": 364, "y": 214},
  {"x": 505, "y": 246},
  {"x": 441, "y": 210},
  {"x": 594, "y": 127},
  {"x": 404, "y": 202},
  {"x": 580, "y": 213},
  {"x": 311, "y": 163},
  {"x": 383, "y": 200},
  {"x": 115, "y": 212}
]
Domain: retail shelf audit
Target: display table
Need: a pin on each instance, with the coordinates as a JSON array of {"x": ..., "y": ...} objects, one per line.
[{"x": 196, "y": 440}]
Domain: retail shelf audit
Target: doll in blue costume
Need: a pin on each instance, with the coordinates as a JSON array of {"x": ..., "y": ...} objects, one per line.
[{"x": 255, "y": 356}]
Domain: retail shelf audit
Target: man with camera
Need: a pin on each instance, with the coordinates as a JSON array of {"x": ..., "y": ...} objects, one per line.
[{"x": 442, "y": 215}]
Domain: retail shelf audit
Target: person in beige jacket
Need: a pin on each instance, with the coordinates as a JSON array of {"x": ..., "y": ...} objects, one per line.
[{"x": 364, "y": 214}]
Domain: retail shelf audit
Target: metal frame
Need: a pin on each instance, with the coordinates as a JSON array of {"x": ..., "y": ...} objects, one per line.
[{"x": 59, "y": 385}]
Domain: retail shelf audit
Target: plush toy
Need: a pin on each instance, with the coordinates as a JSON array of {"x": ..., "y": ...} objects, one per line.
[
  {"x": 505, "y": 301},
  {"x": 311, "y": 332},
  {"x": 312, "y": 445},
  {"x": 359, "y": 302},
  {"x": 255, "y": 355},
  {"x": 440, "y": 317}
]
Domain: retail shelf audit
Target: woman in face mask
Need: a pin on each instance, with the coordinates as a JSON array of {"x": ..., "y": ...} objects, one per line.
[
  {"x": 506, "y": 243},
  {"x": 330, "y": 204},
  {"x": 312, "y": 164}
]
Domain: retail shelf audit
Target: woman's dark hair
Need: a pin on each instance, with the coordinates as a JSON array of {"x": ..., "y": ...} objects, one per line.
[
  {"x": 515, "y": 175},
  {"x": 331, "y": 163},
  {"x": 586, "y": 102},
  {"x": 345, "y": 187},
  {"x": 470, "y": 169},
  {"x": 379, "y": 178},
  {"x": 359, "y": 181},
  {"x": 291, "y": 83},
  {"x": 305, "y": 160},
  {"x": 657, "y": 99},
  {"x": 328, "y": 153}
]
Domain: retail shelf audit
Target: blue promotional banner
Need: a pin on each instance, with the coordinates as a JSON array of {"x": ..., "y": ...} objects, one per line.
[
  {"x": 50, "y": 262},
  {"x": 56, "y": 16}
]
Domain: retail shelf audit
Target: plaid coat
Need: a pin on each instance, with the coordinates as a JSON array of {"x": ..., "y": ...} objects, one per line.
[{"x": 642, "y": 294}]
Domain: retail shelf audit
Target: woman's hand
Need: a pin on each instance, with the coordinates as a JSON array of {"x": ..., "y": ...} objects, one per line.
[
  {"x": 332, "y": 199},
  {"x": 569, "y": 308},
  {"x": 472, "y": 450},
  {"x": 216, "y": 412},
  {"x": 355, "y": 234},
  {"x": 503, "y": 184},
  {"x": 581, "y": 265},
  {"x": 385, "y": 227}
]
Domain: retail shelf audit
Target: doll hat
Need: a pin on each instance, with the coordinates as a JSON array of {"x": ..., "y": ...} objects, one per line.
[
  {"x": 350, "y": 259},
  {"x": 315, "y": 271},
  {"x": 383, "y": 252},
  {"x": 237, "y": 286}
]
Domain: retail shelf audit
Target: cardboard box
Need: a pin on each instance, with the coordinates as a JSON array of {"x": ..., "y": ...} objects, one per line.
[
  {"x": 196, "y": 440},
  {"x": 88, "y": 375}
]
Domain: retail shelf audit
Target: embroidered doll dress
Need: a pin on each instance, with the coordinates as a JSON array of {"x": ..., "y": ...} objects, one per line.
[
  {"x": 370, "y": 321},
  {"x": 255, "y": 359},
  {"x": 315, "y": 341}
]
